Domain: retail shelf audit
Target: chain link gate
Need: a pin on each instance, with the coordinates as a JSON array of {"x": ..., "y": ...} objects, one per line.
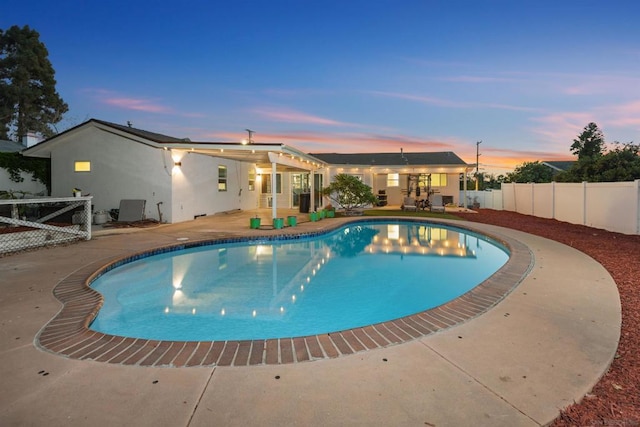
[{"x": 32, "y": 223}]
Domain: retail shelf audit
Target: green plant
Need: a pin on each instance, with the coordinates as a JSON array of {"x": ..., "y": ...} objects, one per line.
[
  {"x": 349, "y": 192},
  {"x": 15, "y": 163}
]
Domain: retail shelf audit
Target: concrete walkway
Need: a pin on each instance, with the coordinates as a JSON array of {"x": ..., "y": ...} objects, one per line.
[{"x": 543, "y": 347}]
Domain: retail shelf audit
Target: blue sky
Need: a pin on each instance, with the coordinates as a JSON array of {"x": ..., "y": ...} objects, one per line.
[{"x": 524, "y": 77}]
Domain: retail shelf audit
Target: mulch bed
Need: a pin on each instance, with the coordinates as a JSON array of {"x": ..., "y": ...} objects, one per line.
[
  {"x": 615, "y": 400},
  {"x": 18, "y": 229},
  {"x": 143, "y": 223}
]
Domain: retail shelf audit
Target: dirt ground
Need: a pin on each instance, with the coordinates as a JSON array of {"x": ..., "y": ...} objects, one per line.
[{"x": 615, "y": 400}]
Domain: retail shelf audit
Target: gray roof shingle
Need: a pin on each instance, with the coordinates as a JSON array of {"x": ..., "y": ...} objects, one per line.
[
  {"x": 391, "y": 159},
  {"x": 151, "y": 136}
]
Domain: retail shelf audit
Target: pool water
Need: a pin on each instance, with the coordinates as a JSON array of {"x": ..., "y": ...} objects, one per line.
[{"x": 362, "y": 274}]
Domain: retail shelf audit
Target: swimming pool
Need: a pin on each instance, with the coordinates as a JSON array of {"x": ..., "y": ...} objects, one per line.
[{"x": 364, "y": 273}]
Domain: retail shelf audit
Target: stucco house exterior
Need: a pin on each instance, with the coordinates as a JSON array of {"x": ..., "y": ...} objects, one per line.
[
  {"x": 392, "y": 176},
  {"x": 181, "y": 179}
]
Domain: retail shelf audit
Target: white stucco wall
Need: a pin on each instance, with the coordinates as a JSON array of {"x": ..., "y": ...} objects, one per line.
[
  {"x": 27, "y": 185},
  {"x": 125, "y": 169},
  {"x": 195, "y": 187},
  {"x": 120, "y": 169}
]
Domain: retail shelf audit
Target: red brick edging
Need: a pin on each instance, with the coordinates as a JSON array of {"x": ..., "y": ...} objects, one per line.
[{"x": 68, "y": 333}]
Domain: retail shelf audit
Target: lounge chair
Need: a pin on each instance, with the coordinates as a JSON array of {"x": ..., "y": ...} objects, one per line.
[
  {"x": 409, "y": 204},
  {"x": 436, "y": 203}
]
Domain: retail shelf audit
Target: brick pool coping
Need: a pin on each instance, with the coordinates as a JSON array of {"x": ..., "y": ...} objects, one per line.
[{"x": 68, "y": 333}]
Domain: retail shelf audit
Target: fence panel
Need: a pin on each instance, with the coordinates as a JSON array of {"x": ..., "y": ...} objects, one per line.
[
  {"x": 30, "y": 223},
  {"x": 613, "y": 206},
  {"x": 610, "y": 203},
  {"x": 488, "y": 199},
  {"x": 543, "y": 203}
]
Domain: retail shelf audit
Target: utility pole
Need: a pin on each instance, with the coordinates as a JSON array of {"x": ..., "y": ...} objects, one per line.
[
  {"x": 250, "y": 141},
  {"x": 477, "y": 163}
]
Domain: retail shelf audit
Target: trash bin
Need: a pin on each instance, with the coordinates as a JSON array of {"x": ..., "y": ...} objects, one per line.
[{"x": 305, "y": 202}]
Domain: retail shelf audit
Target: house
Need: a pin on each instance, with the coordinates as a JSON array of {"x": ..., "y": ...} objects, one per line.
[
  {"x": 393, "y": 176},
  {"x": 181, "y": 179},
  {"x": 559, "y": 166}
]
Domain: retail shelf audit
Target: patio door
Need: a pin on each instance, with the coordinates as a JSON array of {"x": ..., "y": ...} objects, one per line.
[{"x": 299, "y": 185}]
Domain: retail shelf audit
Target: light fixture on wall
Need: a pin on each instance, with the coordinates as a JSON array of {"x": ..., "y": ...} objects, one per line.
[{"x": 177, "y": 164}]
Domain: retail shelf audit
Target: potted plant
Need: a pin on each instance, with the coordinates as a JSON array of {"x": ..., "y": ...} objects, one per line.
[
  {"x": 330, "y": 211},
  {"x": 254, "y": 223}
]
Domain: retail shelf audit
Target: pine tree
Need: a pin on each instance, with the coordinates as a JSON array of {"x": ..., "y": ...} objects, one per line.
[
  {"x": 29, "y": 101},
  {"x": 589, "y": 143}
]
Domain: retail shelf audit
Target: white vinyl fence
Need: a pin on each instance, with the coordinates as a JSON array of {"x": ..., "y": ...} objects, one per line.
[{"x": 613, "y": 206}]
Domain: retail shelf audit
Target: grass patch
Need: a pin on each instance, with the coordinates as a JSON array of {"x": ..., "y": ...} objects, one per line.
[{"x": 415, "y": 214}]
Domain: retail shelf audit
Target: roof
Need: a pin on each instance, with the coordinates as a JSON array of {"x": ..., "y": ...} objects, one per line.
[
  {"x": 559, "y": 166},
  {"x": 10, "y": 146},
  {"x": 264, "y": 155},
  {"x": 152, "y": 136},
  {"x": 391, "y": 159}
]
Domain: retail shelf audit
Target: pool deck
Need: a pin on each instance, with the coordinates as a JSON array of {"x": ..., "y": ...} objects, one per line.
[{"x": 536, "y": 351}]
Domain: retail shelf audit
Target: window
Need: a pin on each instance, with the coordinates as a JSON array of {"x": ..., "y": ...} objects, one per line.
[
  {"x": 82, "y": 166},
  {"x": 393, "y": 180},
  {"x": 252, "y": 180},
  {"x": 222, "y": 178},
  {"x": 266, "y": 183},
  {"x": 437, "y": 180}
]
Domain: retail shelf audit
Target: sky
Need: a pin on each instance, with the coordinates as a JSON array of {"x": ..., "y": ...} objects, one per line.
[{"x": 522, "y": 76}]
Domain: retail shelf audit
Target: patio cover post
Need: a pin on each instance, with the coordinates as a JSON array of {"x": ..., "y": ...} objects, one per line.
[
  {"x": 464, "y": 186},
  {"x": 274, "y": 207},
  {"x": 312, "y": 184}
]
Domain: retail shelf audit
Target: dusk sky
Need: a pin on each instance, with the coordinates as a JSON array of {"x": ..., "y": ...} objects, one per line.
[{"x": 525, "y": 77}]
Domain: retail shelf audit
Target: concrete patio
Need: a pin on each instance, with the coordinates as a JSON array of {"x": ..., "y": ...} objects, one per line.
[{"x": 540, "y": 349}]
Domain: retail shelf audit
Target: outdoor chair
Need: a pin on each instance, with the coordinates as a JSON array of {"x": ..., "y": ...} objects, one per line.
[
  {"x": 437, "y": 204},
  {"x": 409, "y": 204}
]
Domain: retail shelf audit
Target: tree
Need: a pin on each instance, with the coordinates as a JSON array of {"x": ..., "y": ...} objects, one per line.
[
  {"x": 620, "y": 164},
  {"x": 594, "y": 165},
  {"x": 530, "y": 172},
  {"x": 349, "y": 192},
  {"x": 28, "y": 98},
  {"x": 589, "y": 143},
  {"x": 486, "y": 181}
]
